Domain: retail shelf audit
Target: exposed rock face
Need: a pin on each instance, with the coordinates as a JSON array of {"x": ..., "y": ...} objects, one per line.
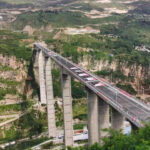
[
  {"x": 13, "y": 75},
  {"x": 139, "y": 72},
  {"x": 19, "y": 71},
  {"x": 29, "y": 30}
]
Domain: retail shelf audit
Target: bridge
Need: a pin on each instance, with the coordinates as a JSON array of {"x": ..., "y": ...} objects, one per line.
[{"x": 101, "y": 96}]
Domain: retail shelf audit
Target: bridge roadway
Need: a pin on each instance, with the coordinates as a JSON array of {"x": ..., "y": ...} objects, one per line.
[{"x": 132, "y": 109}]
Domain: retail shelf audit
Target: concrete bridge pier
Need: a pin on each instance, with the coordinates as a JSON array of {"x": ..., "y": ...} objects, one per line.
[
  {"x": 103, "y": 118},
  {"x": 67, "y": 108},
  {"x": 117, "y": 120},
  {"x": 93, "y": 128},
  {"x": 42, "y": 78},
  {"x": 50, "y": 99}
]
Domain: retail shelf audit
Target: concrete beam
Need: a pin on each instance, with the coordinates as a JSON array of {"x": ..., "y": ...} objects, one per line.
[
  {"x": 42, "y": 78},
  {"x": 50, "y": 99},
  {"x": 67, "y": 108},
  {"x": 103, "y": 118},
  {"x": 117, "y": 120},
  {"x": 93, "y": 128}
]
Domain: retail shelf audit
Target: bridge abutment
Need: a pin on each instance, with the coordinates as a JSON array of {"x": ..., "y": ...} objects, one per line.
[
  {"x": 67, "y": 108},
  {"x": 117, "y": 120},
  {"x": 93, "y": 128},
  {"x": 50, "y": 99},
  {"x": 103, "y": 118},
  {"x": 42, "y": 78}
]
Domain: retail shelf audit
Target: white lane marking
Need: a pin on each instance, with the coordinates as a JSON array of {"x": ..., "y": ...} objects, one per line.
[
  {"x": 83, "y": 74},
  {"x": 99, "y": 84},
  {"x": 74, "y": 68}
]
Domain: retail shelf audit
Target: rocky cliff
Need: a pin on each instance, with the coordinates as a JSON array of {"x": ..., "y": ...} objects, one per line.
[{"x": 13, "y": 76}]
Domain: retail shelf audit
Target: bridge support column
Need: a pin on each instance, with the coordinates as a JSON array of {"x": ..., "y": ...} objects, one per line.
[
  {"x": 117, "y": 120},
  {"x": 50, "y": 99},
  {"x": 41, "y": 78},
  {"x": 103, "y": 117},
  {"x": 67, "y": 108},
  {"x": 93, "y": 129}
]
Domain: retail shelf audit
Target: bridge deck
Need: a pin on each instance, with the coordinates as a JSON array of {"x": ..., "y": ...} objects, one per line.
[{"x": 131, "y": 108}]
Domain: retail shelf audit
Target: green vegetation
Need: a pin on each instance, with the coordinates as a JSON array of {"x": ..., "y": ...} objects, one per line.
[
  {"x": 33, "y": 127},
  {"x": 127, "y": 87},
  {"x": 68, "y": 46},
  {"x": 5, "y": 119},
  {"x": 50, "y": 145},
  {"x": 131, "y": 33},
  {"x": 31, "y": 124},
  {"x": 78, "y": 90},
  {"x": 80, "y": 109},
  {"x": 11, "y": 45},
  {"x": 57, "y": 19},
  {"x": 56, "y": 82},
  {"x": 59, "y": 115},
  {"x": 77, "y": 87},
  {"x": 17, "y": 1},
  {"x": 3, "y": 92},
  {"x": 114, "y": 75},
  {"x": 79, "y": 112},
  {"x": 139, "y": 140},
  {"x": 14, "y": 107},
  {"x": 5, "y": 68},
  {"x": 9, "y": 82},
  {"x": 78, "y": 126},
  {"x": 85, "y": 7},
  {"x": 26, "y": 144}
]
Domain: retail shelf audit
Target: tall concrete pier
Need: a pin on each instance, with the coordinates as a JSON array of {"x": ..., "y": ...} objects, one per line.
[
  {"x": 104, "y": 121},
  {"x": 50, "y": 99},
  {"x": 42, "y": 78},
  {"x": 67, "y": 108},
  {"x": 117, "y": 120},
  {"x": 93, "y": 128}
]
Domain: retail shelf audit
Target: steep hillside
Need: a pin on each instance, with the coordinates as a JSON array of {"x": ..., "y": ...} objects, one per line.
[
  {"x": 16, "y": 95},
  {"x": 15, "y": 58},
  {"x": 108, "y": 37},
  {"x": 99, "y": 35}
]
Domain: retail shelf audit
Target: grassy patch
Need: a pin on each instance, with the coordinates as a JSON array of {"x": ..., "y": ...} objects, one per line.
[
  {"x": 26, "y": 144},
  {"x": 3, "y": 92},
  {"x": 80, "y": 109},
  {"x": 5, "y": 68},
  {"x": 78, "y": 126},
  {"x": 127, "y": 87},
  {"x": 11, "y": 45},
  {"x": 15, "y": 107},
  {"x": 30, "y": 124},
  {"x": 9, "y": 82},
  {"x": 58, "y": 19},
  {"x": 50, "y": 145},
  {"x": 5, "y": 119}
]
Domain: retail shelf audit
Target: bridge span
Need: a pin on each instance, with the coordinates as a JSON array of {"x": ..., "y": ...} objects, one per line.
[{"x": 101, "y": 95}]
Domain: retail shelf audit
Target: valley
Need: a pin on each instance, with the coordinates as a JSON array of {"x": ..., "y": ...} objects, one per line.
[{"x": 107, "y": 37}]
